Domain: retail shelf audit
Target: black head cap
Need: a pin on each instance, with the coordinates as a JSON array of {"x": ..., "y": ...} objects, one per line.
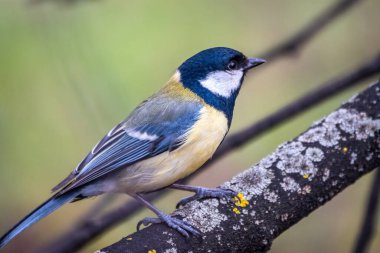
[{"x": 218, "y": 58}]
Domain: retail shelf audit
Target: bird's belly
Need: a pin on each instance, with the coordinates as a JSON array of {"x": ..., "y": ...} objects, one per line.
[{"x": 164, "y": 169}]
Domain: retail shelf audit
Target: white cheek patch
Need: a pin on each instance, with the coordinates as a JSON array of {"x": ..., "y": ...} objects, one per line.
[{"x": 223, "y": 83}]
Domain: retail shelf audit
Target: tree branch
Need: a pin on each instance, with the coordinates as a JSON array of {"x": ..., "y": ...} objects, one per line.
[
  {"x": 300, "y": 39},
  {"x": 369, "y": 218},
  {"x": 88, "y": 228},
  {"x": 283, "y": 188}
]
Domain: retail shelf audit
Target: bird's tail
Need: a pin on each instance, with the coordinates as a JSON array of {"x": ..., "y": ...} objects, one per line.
[{"x": 40, "y": 212}]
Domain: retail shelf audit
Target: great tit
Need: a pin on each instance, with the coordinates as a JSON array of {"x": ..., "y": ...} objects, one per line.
[{"x": 166, "y": 138}]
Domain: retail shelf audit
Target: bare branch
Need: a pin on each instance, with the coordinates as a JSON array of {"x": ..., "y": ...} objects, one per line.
[
  {"x": 300, "y": 39},
  {"x": 88, "y": 228},
  {"x": 369, "y": 218},
  {"x": 281, "y": 189}
]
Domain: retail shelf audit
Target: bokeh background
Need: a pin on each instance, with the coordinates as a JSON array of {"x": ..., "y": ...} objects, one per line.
[{"x": 69, "y": 72}]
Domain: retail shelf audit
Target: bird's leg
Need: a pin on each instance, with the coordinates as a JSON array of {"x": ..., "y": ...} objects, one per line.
[
  {"x": 202, "y": 192},
  {"x": 181, "y": 226}
]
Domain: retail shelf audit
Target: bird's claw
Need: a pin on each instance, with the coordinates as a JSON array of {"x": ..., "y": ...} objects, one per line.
[
  {"x": 202, "y": 193},
  {"x": 146, "y": 222},
  {"x": 181, "y": 226}
]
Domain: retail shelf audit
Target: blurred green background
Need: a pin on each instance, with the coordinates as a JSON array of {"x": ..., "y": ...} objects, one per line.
[{"x": 68, "y": 73}]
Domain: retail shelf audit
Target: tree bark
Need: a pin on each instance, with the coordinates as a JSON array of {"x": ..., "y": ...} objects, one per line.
[
  {"x": 284, "y": 187},
  {"x": 368, "y": 229}
]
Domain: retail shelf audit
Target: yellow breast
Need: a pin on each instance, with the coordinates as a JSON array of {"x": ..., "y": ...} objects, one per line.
[{"x": 201, "y": 142}]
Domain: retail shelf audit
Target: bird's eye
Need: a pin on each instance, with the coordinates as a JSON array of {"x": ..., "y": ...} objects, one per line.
[{"x": 232, "y": 65}]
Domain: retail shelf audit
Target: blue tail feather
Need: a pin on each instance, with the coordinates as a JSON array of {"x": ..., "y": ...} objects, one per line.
[{"x": 40, "y": 212}]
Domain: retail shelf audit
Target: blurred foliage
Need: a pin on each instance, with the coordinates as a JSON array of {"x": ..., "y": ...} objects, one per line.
[{"x": 69, "y": 72}]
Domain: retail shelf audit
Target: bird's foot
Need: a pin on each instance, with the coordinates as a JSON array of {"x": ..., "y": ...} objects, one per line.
[
  {"x": 202, "y": 193},
  {"x": 181, "y": 226}
]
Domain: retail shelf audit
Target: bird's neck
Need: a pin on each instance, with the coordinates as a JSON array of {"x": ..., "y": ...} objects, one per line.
[
  {"x": 223, "y": 104},
  {"x": 195, "y": 91}
]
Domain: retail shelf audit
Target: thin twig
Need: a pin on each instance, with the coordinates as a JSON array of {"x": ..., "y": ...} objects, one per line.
[
  {"x": 87, "y": 229},
  {"x": 369, "y": 218},
  {"x": 300, "y": 39}
]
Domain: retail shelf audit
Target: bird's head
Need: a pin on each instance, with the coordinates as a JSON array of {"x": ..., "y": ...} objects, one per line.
[{"x": 216, "y": 75}]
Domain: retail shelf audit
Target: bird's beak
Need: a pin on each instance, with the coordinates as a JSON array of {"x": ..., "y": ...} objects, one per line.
[{"x": 254, "y": 62}]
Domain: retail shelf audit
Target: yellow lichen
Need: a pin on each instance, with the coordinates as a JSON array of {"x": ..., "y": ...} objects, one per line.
[
  {"x": 306, "y": 176},
  {"x": 235, "y": 210},
  {"x": 240, "y": 200},
  {"x": 152, "y": 251},
  {"x": 345, "y": 150},
  {"x": 129, "y": 238}
]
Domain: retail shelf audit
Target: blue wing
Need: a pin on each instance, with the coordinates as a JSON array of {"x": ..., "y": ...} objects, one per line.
[{"x": 149, "y": 131}]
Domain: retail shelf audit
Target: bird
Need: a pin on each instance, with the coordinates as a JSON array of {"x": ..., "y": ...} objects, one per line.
[{"x": 164, "y": 139}]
